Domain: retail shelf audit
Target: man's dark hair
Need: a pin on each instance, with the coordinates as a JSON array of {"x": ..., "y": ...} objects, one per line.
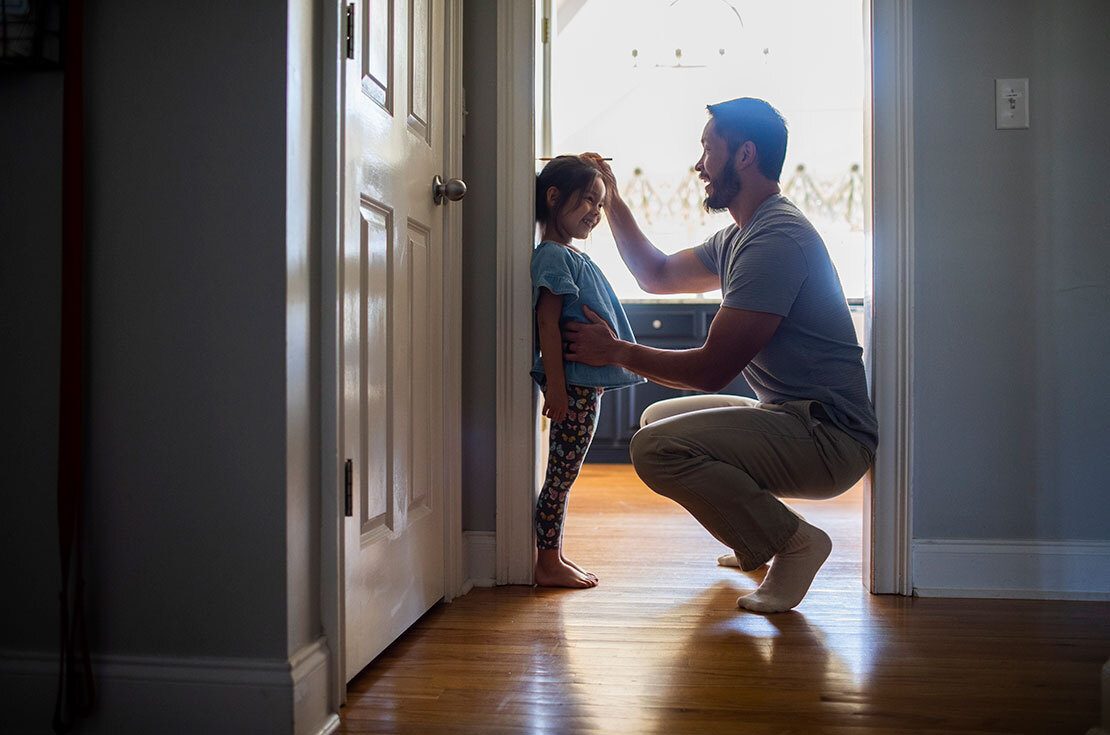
[{"x": 748, "y": 118}]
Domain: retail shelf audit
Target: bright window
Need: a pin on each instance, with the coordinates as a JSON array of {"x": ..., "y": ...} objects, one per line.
[{"x": 631, "y": 79}]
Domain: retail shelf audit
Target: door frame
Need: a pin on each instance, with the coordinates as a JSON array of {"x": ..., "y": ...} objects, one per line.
[
  {"x": 517, "y": 425},
  {"x": 888, "y": 496},
  {"x": 332, "y": 572},
  {"x": 887, "y": 527}
]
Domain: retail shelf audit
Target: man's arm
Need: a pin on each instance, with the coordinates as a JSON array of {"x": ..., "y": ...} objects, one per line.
[
  {"x": 682, "y": 272},
  {"x": 735, "y": 337},
  {"x": 655, "y": 272}
]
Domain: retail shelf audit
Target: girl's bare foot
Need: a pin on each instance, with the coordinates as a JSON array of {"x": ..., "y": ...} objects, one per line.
[
  {"x": 552, "y": 571},
  {"x": 572, "y": 565}
]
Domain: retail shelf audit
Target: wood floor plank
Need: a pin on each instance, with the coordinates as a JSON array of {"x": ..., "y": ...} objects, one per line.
[{"x": 659, "y": 646}]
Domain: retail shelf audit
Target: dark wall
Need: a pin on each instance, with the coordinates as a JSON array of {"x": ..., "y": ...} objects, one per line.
[
  {"x": 30, "y": 314},
  {"x": 479, "y": 408}
]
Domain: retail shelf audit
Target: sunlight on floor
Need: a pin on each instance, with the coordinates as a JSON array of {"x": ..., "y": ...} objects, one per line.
[
  {"x": 680, "y": 588},
  {"x": 659, "y": 646}
]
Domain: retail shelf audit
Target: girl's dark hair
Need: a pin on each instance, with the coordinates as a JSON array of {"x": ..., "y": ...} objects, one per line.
[{"x": 569, "y": 175}]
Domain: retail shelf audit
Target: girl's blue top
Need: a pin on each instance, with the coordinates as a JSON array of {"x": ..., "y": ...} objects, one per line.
[{"x": 580, "y": 282}]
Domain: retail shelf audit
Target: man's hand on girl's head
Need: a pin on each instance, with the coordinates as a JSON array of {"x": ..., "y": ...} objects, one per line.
[
  {"x": 607, "y": 176},
  {"x": 592, "y": 343}
]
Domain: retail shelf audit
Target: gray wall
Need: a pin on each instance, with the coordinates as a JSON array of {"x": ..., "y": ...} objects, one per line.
[
  {"x": 975, "y": 471},
  {"x": 186, "y": 339},
  {"x": 30, "y": 313},
  {"x": 202, "y": 526},
  {"x": 1011, "y": 292},
  {"x": 479, "y": 408},
  {"x": 1073, "y": 269}
]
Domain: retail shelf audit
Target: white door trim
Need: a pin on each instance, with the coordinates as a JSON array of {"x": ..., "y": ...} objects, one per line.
[
  {"x": 454, "y": 559},
  {"x": 888, "y": 522},
  {"x": 888, "y": 510},
  {"x": 331, "y": 248},
  {"x": 516, "y": 413},
  {"x": 331, "y": 216}
]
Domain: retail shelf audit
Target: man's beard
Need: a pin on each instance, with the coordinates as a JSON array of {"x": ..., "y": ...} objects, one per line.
[{"x": 725, "y": 188}]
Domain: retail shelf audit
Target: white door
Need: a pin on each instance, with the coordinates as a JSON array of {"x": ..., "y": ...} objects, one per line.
[{"x": 392, "y": 322}]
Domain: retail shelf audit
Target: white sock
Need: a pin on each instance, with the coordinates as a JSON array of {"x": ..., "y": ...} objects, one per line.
[
  {"x": 730, "y": 560},
  {"x": 792, "y": 572}
]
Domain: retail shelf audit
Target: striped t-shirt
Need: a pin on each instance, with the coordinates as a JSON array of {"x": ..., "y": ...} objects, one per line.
[{"x": 778, "y": 264}]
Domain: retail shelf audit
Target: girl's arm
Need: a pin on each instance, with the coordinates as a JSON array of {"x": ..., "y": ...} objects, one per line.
[{"x": 548, "y": 310}]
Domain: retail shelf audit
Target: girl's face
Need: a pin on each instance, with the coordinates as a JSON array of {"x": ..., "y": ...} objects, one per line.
[{"x": 581, "y": 214}]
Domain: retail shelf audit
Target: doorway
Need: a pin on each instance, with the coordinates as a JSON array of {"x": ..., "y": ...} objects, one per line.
[
  {"x": 887, "y": 308},
  {"x": 658, "y": 64}
]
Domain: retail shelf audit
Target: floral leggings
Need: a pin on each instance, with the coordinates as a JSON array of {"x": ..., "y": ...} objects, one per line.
[{"x": 570, "y": 438}]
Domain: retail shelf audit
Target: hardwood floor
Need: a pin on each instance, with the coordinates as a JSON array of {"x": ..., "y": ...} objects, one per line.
[{"x": 659, "y": 646}]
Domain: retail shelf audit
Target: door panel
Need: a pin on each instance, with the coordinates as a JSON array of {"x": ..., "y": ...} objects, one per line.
[
  {"x": 392, "y": 326},
  {"x": 377, "y": 54},
  {"x": 419, "y": 377},
  {"x": 420, "y": 45},
  {"x": 376, "y": 507}
]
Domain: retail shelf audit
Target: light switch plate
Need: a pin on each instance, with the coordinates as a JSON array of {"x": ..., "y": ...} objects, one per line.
[{"x": 1011, "y": 104}]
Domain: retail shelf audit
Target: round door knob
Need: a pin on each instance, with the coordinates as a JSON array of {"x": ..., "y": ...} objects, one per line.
[
  {"x": 657, "y": 324},
  {"x": 453, "y": 190}
]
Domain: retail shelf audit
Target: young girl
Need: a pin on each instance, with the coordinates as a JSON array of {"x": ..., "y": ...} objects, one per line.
[{"x": 569, "y": 196}]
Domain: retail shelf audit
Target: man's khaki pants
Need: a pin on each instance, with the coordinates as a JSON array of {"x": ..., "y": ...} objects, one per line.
[{"x": 728, "y": 460}]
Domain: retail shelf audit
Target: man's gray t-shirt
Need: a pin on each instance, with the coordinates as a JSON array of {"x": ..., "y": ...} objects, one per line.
[{"x": 779, "y": 264}]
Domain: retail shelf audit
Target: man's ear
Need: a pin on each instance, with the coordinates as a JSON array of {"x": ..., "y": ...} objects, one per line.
[
  {"x": 746, "y": 155},
  {"x": 552, "y": 197}
]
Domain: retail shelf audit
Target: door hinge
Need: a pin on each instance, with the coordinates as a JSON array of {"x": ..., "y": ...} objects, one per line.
[
  {"x": 546, "y": 30},
  {"x": 348, "y": 488},
  {"x": 350, "y": 30}
]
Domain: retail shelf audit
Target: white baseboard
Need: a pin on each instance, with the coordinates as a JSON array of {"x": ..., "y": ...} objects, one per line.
[
  {"x": 1032, "y": 570},
  {"x": 177, "y": 695},
  {"x": 481, "y": 558},
  {"x": 309, "y": 671}
]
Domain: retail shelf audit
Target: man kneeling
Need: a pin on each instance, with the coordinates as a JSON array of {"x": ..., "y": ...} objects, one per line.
[{"x": 784, "y": 323}]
